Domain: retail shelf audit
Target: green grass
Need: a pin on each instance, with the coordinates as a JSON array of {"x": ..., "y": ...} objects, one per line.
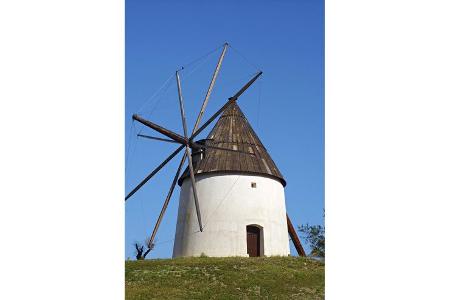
[{"x": 225, "y": 278}]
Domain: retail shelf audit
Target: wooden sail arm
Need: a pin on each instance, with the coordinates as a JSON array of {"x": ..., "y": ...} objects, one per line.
[
  {"x": 156, "y": 138},
  {"x": 294, "y": 237},
  {"x": 210, "y": 87},
  {"x": 166, "y": 202},
  {"x": 189, "y": 153},
  {"x": 154, "y": 172},
  {"x": 246, "y": 86},
  {"x": 174, "y": 136}
]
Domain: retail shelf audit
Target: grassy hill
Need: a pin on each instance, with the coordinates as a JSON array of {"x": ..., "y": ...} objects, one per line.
[{"x": 225, "y": 278}]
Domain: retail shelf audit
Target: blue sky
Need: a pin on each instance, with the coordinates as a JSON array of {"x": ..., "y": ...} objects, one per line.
[{"x": 285, "y": 39}]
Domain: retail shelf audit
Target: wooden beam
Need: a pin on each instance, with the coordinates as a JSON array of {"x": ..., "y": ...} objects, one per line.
[
  {"x": 156, "y": 138},
  {"x": 211, "y": 85},
  {"x": 174, "y": 136},
  {"x": 154, "y": 172},
  {"x": 246, "y": 86},
  {"x": 294, "y": 237},
  {"x": 188, "y": 154},
  {"x": 166, "y": 202}
]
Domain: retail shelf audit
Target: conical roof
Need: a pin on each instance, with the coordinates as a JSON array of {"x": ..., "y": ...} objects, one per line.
[{"x": 234, "y": 132}]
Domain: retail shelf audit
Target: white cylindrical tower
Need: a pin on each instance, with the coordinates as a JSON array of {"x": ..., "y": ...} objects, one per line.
[{"x": 241, "y": 196}]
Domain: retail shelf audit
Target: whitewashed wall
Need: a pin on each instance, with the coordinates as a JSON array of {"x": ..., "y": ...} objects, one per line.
[{"x": 228, "y": 204}]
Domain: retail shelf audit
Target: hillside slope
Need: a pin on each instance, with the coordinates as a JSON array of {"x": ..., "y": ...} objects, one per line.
[{"x": 225, "y": 278}]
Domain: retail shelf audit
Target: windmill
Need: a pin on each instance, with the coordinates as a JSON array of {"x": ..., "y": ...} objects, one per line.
[{"x": 202, "y": 184}]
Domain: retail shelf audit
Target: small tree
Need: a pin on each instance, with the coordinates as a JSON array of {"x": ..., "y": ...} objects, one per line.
[
  {"x": 315, "y": 237},
  {"x": 140, "y": 254}
]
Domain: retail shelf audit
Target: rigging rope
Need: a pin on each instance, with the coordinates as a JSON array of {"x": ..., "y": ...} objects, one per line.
[
  {"x": 259, "y": 103},
  {"x": 166, "y": 85},
  {"x": 160, "y": 98},
  {"x": 235, "y": 79},
  {"x": 196, "y": 68},
  {"x": 246, "y": 59},
  {"x": 201, "y": 57},
  {"x": 130, "y": 140},
  {"x": 209, "y": 217},
  {"x": 220, "y": 203},
  {"x": 156, "y": 93}
]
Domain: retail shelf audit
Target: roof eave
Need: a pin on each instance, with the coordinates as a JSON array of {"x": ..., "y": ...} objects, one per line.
[{"x": 229, "y": 172}]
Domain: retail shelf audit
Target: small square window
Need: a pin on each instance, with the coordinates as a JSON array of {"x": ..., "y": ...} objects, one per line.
[{"x": 254, "y": 185}]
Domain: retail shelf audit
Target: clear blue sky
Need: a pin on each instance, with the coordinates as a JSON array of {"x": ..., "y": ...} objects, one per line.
[{"x": 285, "y": 39}]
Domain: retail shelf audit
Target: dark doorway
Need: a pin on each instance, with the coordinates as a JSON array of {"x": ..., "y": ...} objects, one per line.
[{"x": 253, "y": 241}]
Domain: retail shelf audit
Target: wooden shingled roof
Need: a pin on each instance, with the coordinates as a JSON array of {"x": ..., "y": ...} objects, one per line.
[{"x": 234, "y": 132}]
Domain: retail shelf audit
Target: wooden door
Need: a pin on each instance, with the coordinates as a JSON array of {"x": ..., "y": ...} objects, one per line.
[{"x": 253, "y": 241}]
